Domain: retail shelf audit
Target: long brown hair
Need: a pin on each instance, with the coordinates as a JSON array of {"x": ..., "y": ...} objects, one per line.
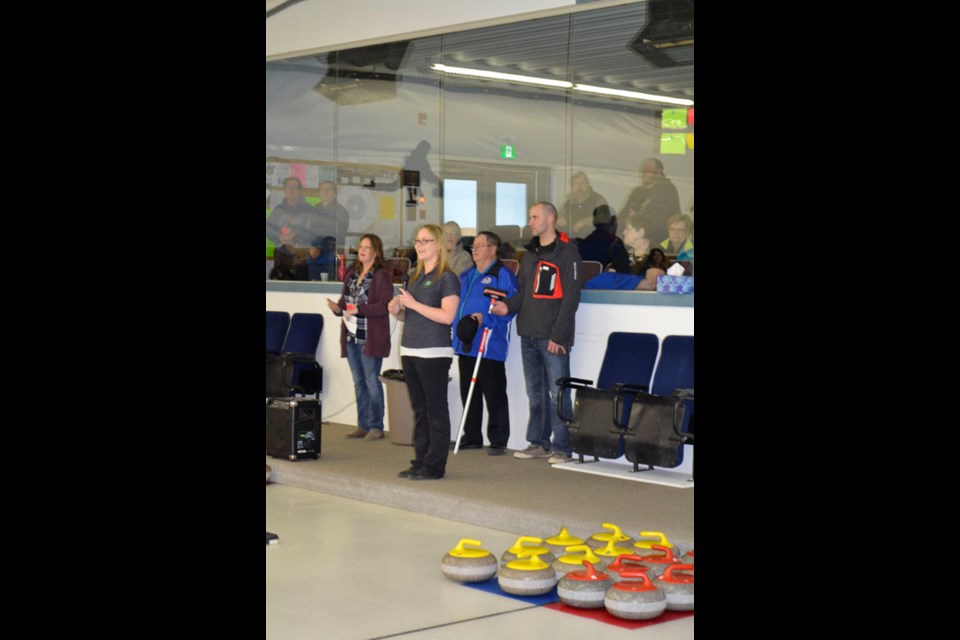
[
  {"x": 437, "y": 232},
  {"x": 378, "y": 260}
]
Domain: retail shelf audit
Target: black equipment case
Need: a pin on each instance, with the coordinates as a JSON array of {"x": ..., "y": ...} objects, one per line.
[{"x": 293, "y": 428}]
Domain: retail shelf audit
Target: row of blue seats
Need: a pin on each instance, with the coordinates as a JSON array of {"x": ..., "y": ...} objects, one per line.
[
  {"x": 291, "y": 353},
  {"x": 642, "y": 405}
]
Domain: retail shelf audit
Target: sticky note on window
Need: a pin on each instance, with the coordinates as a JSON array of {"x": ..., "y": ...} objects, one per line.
[
  {"x": 674, "y": 119},
  {"x": 689, "y": 141},
  {"x": 690, "y": 117},
  {"x": 673, "y": 143}
]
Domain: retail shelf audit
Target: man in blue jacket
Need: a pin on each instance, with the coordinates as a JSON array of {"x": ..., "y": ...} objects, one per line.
[{"x": 471, "y": 319}]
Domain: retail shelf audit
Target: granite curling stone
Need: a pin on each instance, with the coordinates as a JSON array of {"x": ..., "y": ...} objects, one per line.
[
  {"x": 660, "y": 561},
  {"x": 600, "y": 540},
  {"x": 635, "y": 597},
  {"x": 647, "y": 539},
  {"x": 526, "y": 542},
  {"x": 528, "y": 576},
  {"x": 627, "y": 561},
  {"x": 469, "y": 565},
  {"x": 584, "y": 589},
  {"x": 677, "y": 585},
  {"x": 558, "y": 544},
  {"x": 574, "y": 561}
]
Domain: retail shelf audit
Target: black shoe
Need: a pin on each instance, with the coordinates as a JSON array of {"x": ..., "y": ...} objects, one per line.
[
  {"x": 423, "y": 474},
  {"x": 406, "y": 473},
  {"x": 465, "y": 445},
  {"x": 496, "y": 451}
]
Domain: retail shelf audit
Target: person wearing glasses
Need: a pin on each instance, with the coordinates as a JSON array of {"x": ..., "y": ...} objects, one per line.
[
  {"x": 472, "y": 318},
  {"x": 680, "y": 228},
  {"x": 427, "y": 308}
]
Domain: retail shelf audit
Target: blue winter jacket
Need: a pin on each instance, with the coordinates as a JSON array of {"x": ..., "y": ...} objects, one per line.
[{"x": 472, "y": 300}]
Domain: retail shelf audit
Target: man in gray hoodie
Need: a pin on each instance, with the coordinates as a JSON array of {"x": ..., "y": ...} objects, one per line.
[{"x": 546, "y": 306}]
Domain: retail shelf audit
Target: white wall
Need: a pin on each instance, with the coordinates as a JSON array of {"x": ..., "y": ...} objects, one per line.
[
  {"x": 594, "y": 323},
  {"x": 324, "y": 25}
]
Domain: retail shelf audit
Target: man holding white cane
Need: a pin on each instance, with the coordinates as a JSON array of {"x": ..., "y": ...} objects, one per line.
[{"x": 473, "y": 316}]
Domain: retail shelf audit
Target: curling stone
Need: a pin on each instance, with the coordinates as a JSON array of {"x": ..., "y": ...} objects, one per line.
[
  {"x": 600, "y": 540},
  {"x": 660, "y": 561},
  {"x": 677, "y": 585},
  {"x": 647, "y": 539},
  {"x": 627, "y": 561},
  {"x": 635, "y": 597},
  {"x": 528, "y": 576},
  {"x": 584, "y": 589},
  {"x": 526, "y": 542},
  {"x": 558, "y": 544},
  {"x": 574, "y": 561},
  {"x": 469, "y": 565},
  {"x": 687, "y": 558},
  {"x": 611, "y": 551}
]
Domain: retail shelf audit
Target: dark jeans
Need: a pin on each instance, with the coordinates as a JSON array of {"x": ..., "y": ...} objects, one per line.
[
  {"x": 492, "y": 385},
  {"x": 541, "y": 370},
  {"x": 427, "y": 380}
]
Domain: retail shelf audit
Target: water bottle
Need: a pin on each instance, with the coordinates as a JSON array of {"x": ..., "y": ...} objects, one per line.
[{"x": 341, "y": 267}]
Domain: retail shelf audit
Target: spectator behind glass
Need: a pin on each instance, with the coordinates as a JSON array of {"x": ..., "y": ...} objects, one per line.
[
  {"x": 656, "y": 196},
  {"x": 333, "y": 219},
  {"x": 679, "y": 243},
  {"x": 323, "y": 258},
  {"x": 602, "y": 245},
  {"x": 292, "y": 221},
  {"x": 284, "y": 265},
  {"x": 654, "y": 266},
  {"x": 635, "y": 235},
  {"x": 575, "y": 215}
]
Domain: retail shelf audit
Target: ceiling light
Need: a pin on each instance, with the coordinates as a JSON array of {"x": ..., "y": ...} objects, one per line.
[
  {"x": 504, "y": 77},
  {"x": 636, "y": 95}
]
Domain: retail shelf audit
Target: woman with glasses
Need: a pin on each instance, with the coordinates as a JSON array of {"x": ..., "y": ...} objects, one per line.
[
  {"x": 679, "y": 226},
  {"x": 365, "y": 332},
  {"x": 427, "y": 308}
]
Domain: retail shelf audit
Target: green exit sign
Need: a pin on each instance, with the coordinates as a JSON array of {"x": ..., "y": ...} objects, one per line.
[{"x": 508, "y": 151}]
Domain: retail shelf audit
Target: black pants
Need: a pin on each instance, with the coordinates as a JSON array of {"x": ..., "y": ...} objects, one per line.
[
  {"x": 492, "y": 385},
  {"x": 427, "y": 380}
]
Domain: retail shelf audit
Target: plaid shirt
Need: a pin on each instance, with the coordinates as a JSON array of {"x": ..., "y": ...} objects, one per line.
[{"x": 356, "y": 295}]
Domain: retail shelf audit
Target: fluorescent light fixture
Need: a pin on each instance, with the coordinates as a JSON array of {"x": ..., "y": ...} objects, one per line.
[
  {"x": 559, "y": 84},
  {"x": 505, "y": 77},
  {"x": 636, "y": 95}
]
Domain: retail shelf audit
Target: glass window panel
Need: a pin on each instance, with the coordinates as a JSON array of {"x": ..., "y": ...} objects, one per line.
[
  {"x": 460, "y": 202},
  {"x": 511, "y": 203}
]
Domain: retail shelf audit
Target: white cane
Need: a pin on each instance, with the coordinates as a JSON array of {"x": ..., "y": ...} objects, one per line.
[{"x": 494, "y": 295}]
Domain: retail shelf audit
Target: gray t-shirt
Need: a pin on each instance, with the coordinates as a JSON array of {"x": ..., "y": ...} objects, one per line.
[{"x": 420, "y": 332}]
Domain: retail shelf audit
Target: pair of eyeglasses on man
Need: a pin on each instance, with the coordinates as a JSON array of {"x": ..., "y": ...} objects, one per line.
[{"x": 480, "y": 246}]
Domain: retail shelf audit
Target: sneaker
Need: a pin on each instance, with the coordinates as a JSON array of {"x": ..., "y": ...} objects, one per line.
[
  {"x": 559, "y": 458},
  {"x": 374, "y": 434},
  {"x": 465, "y": 445},
  {"x": 496, "y": 451},
  {"x": 359, "y": 433},
  {"x": 533, "y": 451}
]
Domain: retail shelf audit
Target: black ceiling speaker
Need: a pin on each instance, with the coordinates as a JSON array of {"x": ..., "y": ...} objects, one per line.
[
  {"x": 668, "y": 31},
  {"x": 365, "y": 74}
]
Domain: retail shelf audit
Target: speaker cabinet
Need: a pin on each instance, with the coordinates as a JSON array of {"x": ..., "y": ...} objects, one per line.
[{"x": 293, "y": 428}]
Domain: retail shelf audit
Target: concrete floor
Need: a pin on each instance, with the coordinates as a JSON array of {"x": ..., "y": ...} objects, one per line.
[{"x": 347, "y": 569}]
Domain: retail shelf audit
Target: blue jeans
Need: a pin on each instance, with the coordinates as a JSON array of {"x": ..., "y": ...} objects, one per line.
[
  {"x": 541, "y": 370},
  {"x": 366, "y": 384}
]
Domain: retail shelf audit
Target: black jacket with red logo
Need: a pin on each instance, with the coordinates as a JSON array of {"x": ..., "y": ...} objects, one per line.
[{"x": 546, "y": 303}]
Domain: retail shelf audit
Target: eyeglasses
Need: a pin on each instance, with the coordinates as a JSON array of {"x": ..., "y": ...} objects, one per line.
[
  {"x": 679, "y": 229},
  {"x": 423, "y": 242},
  {"x": 481, "y": 246}
]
